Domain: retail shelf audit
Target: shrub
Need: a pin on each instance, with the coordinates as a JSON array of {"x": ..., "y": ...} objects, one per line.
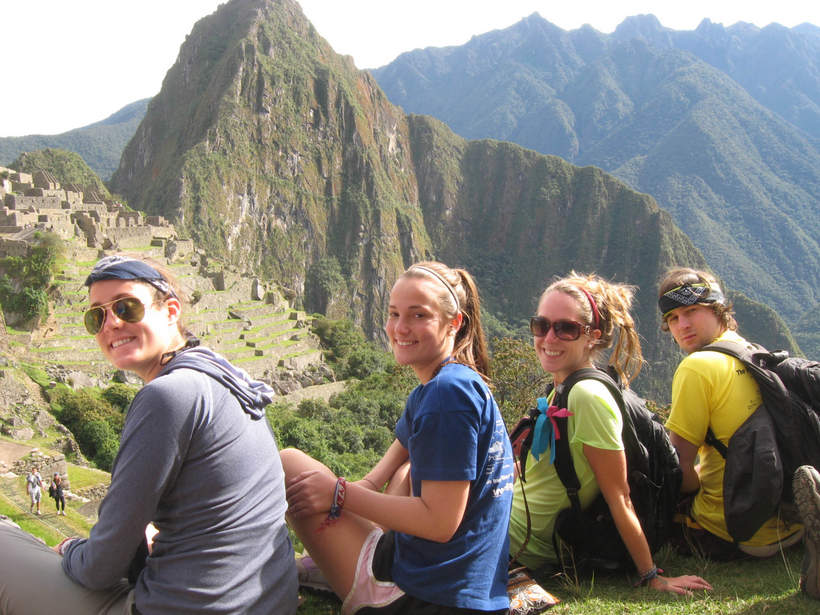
[
  {"x": 24, "y": 282},
  {"x": 93, "y": 420},
  {"x": 120, "y": 395}
]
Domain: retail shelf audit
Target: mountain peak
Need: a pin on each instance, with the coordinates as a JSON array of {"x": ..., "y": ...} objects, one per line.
[{"x": 646, "y": 27}]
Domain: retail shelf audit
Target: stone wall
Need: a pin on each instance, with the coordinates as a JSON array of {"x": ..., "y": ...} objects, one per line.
[
  {"x": 12, "y": 217},
  {"x": 13, "y": 247},
  {"x": 37, "y": 201},
  {"x": 58, "y": 194},
  {"x": 130, "y": 237},
  {"x": 16, "y": 201},
  {"x": 21, "y": 178}
]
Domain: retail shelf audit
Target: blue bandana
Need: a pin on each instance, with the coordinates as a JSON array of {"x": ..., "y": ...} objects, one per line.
[
  {"x": 546, "y": 428},
  {"x": 124, "y": 268}
]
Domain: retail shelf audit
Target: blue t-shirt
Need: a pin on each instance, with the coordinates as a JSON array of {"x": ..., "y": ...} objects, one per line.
[{"x": 453, "y": 431}]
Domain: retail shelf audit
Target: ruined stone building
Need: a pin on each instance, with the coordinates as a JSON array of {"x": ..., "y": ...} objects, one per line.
[{"x": 36, "y": 201}]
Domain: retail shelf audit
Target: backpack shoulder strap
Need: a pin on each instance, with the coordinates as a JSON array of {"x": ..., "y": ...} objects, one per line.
[
  {"x": 741, "y": 352},
  {"x": 712, "y": 440},
  {"x": 758, "y": 361},
  {"x": 564, "y": 465}
]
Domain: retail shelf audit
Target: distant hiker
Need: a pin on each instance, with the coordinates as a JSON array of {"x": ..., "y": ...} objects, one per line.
[
  {"x": 197, "y": 458},
  {"x": 55, "y": 490},
  {"x": 34, "y": 487},
  {"x": 433, "y": 541},
  {"x": 710, "y": 390},
  {"x": 578, "y": 318}
]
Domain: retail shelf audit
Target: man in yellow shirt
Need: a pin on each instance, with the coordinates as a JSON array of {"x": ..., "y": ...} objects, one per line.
[{"x": 710, "y": 389}]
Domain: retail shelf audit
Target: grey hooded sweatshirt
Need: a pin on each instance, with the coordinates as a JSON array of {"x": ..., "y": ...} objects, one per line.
[{"x": 198, "y": 458}]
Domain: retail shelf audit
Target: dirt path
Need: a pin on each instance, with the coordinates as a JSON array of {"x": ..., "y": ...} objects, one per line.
[
  {"x": 11, "y": 452},
  {"x": 12, "y": 489},
  {"x": 319, "y": 391}
]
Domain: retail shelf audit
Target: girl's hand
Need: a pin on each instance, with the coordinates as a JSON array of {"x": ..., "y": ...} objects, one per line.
[
  {"x": 310, "y": 493},
  {"x": 62, "y": 545},
  {"x": 684, "y": 585}
]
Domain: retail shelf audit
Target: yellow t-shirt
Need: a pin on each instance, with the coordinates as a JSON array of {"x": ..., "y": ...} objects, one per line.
[
  {"x": 714, "y": 389},
  {"x": 596, "y": 421}
]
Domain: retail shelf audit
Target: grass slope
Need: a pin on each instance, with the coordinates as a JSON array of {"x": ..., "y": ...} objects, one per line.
[{"x": 740, "y": 588}]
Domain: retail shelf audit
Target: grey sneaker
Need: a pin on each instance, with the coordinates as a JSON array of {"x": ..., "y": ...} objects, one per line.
[
  {"x": 806, "y": 487},
  {"x": 310, "y": 575}
]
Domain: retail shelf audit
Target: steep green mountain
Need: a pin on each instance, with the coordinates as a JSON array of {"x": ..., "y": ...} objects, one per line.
[
  {"x": 100, "y": 144},
  {"x": 67, "y": 167},
  {"x": 266, "y": 147},
  {"x": 277, "y": 154},
  {"x": 740, "y": 180}
]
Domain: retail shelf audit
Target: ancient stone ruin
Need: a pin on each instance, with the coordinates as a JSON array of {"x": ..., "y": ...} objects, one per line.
[{"x": 37, "y": 202}]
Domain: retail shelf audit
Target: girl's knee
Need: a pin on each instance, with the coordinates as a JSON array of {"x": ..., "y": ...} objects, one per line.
[{"x": 295, "y": 461}]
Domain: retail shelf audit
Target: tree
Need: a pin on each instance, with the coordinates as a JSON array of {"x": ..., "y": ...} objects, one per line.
[{"x": 517, "y": 377}]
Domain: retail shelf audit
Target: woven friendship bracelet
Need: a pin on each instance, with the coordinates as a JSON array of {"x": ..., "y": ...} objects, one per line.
[
  {"x": 647, "y": 576},
  {"x": 336, "y": 505}
]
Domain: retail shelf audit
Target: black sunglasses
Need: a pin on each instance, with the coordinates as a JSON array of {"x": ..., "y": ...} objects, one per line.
[
  {"x": 567, "y": 330},
  {"x": 128, "y": 309}
]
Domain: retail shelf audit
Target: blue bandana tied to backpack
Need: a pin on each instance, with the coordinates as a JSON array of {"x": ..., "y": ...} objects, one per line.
[{"x": 546, "y": 430}]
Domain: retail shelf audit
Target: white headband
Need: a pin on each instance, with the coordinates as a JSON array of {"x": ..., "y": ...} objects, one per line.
[{"x": 443, "y": 281}]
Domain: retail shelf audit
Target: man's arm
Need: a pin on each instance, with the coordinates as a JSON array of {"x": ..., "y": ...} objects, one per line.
[{"x": 687, "y": 452}]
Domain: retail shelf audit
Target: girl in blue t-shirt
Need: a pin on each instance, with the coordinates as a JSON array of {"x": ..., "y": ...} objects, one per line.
[{"x": 426, "y": 529}]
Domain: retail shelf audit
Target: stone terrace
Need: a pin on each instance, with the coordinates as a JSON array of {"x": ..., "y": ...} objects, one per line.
[
  {"x": 253, "y": 327},
  {"x": 36, "y": 201}
]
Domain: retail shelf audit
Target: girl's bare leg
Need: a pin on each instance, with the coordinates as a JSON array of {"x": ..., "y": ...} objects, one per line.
[{"x": 336, "y": 547}]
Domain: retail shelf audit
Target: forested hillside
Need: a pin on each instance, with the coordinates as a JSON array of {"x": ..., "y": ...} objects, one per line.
[
  {"x": 277, "y": 154},
  {"x": 100, "y": 144},
  {"x": 720, "y": 125}
]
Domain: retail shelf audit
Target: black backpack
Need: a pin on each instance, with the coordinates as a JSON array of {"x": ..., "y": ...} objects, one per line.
[
  {"x": 589, "y": 536},
  {"x": 781, "y": 435}
]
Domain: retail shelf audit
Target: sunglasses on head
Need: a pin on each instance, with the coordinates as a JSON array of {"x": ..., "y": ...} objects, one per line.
[
  {"x": 567, "y": 330},
  {"x": 127, "y": 309}
]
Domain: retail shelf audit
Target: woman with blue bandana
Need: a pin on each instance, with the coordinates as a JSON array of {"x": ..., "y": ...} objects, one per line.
[
  {"x": 197, "y": 460},
  {"x": 710, "y": 390},
  {"x": 578, "y": 318}
]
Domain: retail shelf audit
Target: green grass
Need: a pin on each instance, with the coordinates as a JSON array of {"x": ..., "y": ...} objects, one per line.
[
  {"x": 14, "y": 503},
  {"x": 27, "y": 522},
  {"x": 81, "y": 477},
  {"x": 37, "y": 374},
  {"x": 739, "y": 588}
]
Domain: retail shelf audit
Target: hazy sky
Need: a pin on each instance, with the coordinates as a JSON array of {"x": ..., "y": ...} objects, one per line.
[{"x": 69, "y": 63}]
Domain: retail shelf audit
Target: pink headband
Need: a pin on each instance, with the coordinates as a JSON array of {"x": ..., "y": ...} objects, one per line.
[{"x": 594, "y": 307}]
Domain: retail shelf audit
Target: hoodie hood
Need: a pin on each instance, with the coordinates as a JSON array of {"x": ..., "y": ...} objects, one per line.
[{"x": 252, "y": 395}]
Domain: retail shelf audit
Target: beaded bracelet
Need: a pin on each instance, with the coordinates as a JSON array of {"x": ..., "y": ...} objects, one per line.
[
  {"x": 336, "y": 504},
  {"x": 647, "y": 576},
  {"x": 372, "y": 482}
]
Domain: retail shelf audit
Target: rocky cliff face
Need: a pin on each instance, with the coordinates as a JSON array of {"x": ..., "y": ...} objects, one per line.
[
  {"x": 719, "y": 125},
  {"x": 272, "y": 151}
]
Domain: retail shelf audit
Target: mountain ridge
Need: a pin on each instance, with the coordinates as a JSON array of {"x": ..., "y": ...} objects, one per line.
[
  {"x": 275, "y": 153},
  {"x": 658, "y": 117},
  {"x": 281, "y": 156},
  {"x": 100, "y": 143}
]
